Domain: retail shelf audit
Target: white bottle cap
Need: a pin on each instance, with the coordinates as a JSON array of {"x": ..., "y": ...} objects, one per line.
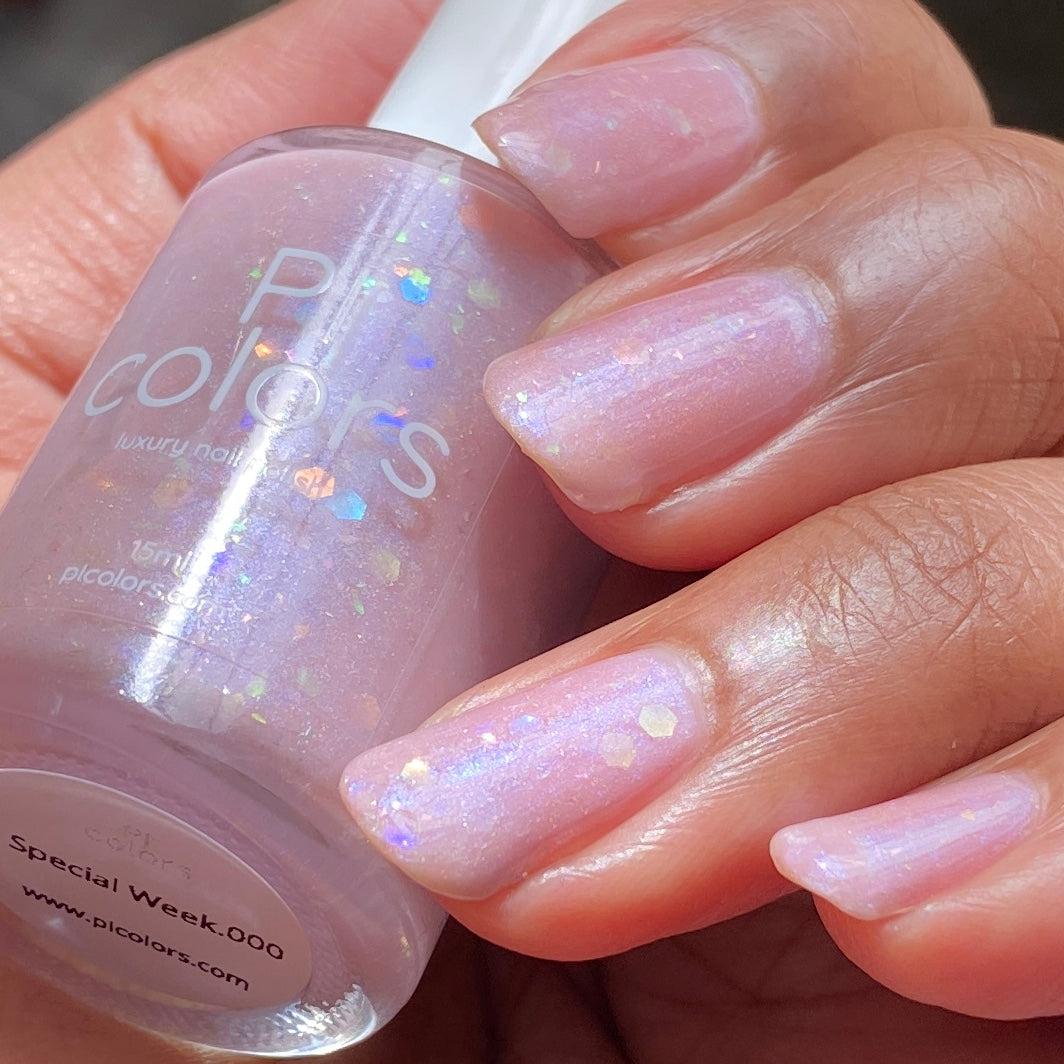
[{"x": 472, "y": 56}]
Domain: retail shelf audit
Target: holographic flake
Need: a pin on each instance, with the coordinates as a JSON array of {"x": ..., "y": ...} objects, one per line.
[
  {"x": 617, "y": 750},
  {"x": 415, "y": 285},
  {"x": 237, "y": 527},
  {"x": 307, "y": 682},
  {"x": 258, "y": 718},
  {"x": 458, "y": 321},
  {"x": 264, "y": 350},
  {"x": 366, "y": 711},
  {"x": 346, "y": 505},
  {"x": 632, "y": 353},
  {"x": 386, "y": 420},
  {"x": 401, "y": 237},
  {"x": 524, "y": 724},
  {"x": 255, "y": 688},
  {"x": 415, "y": 770},
  {"x": 369, "y": 282},
  {"x": 171, "y": 492},
  {"x": 399, "y": 838},
  {"x": 658, "y": 721},
  {"x": 314, "y": 482},
  {"x": 358, "y": 604},
  {"x": 243, "y": 579},
  {"x": 417, "y": 353},
  {"x": 255, "y": 274},
  {"x": 485, "y": 294},
  {"x": 247, "y": 421},
  {"x": 386, "y": 566}
]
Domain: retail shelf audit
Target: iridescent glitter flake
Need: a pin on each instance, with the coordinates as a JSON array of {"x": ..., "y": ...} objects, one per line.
[
  {"x": 388, "y": 421},
  {"x": 171, "y": 492},
  {"x": 307, "y": 682},
  {"x": 417, "y": 353},
  {"x": 617, "y": 749},
  {"x": 415, "y": 285},
  {"x": 366, "y": 711},
  {"x": 484, "y": 294},
  {"x": 658, "y": 721},
  {"x": 385, "y": 565},
  {"x": 415, "y": 769},
  {"x": 256, "y": 687},
  {"x": 346, "y": 505},
  {"x": 314, "y": 482}
]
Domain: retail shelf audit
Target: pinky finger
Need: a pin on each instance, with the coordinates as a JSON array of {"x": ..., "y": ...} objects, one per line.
[{"x": 952, "y": 895}]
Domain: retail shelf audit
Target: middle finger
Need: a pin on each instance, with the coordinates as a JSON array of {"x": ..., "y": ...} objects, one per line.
[{"x": 897, "y": 316}]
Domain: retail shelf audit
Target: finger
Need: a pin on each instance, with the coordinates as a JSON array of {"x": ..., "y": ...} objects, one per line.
[
  {"x": 665, "y": 121},
  {"x": 952, "y": 895},
  {"x": 624, "y": 788},
  {"x": 84, "y": 210},
  {"x": 899, "y": 315}
]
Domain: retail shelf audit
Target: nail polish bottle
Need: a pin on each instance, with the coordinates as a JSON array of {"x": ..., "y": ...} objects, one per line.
[{"x": 274, "y": 525}]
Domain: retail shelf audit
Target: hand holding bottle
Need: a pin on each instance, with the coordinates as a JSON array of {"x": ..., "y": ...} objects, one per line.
[{"x": 840, "y": 307}]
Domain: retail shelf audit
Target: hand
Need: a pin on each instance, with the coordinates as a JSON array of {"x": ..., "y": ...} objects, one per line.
[
  {"x": 841, "y": 280},
  {"x": 937, "y": 263}
]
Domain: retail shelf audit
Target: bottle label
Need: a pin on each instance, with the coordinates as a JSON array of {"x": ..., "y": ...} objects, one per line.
[{"x": 140, "y": 899}]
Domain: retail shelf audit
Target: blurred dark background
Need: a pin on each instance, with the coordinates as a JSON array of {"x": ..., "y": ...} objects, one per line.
[{"x": 55, "y": 54}]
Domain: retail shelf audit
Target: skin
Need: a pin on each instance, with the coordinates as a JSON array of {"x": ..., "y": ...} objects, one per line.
[{"x": 855, "y": 636}]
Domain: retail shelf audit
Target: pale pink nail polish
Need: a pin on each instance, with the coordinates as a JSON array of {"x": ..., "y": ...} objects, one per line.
[
  {"x": 624, "y": 409},
  {"x": 879, "y": 861},
  {"x": 275, "y": 524},
  {"x": 679, "y": 125},
  {"x": 471, "y": 805}
]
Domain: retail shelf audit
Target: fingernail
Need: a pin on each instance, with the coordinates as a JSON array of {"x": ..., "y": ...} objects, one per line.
[
  {"x": 880, "y": 861},
  {"x": 632, "y": 141},
  {"x": 475, "y": 803},
  {"x": 624, "y": 409}
]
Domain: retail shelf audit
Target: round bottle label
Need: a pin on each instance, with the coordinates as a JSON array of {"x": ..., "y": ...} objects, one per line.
[{"x": 141, "y": 900}]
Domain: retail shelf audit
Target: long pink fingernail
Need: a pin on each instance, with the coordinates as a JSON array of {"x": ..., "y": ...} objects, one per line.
[
  {"x": 626, "y": 408},
  {"x": 883, "y": 860},
  {"x": 631, "y": 141},
  {"x": 474, "y": 803}
]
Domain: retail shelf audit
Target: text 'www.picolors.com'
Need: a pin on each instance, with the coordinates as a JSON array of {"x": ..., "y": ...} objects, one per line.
[{"x": 138, "y": 938}]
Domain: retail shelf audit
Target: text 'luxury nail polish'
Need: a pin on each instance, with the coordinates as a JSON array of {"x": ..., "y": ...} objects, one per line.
[{"x": 275, "y": 525}]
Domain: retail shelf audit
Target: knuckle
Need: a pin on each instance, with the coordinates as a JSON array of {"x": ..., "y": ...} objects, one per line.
[
  {"x": 1013, "y": 183},
  {"x": 924, "y": 566}
]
